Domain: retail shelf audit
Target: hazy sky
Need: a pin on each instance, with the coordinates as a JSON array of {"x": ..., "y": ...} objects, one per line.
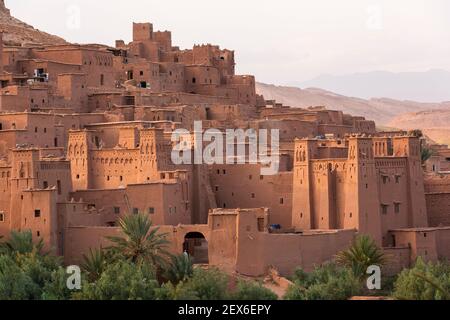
[{"x": 280, "y": 41}]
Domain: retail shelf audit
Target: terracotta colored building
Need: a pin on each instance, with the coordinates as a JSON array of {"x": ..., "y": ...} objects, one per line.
[{"x": 86, "y": 138}]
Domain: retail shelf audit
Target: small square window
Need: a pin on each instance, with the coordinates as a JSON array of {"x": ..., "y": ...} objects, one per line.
[
  {"x": 135, "y": 211},
  {"x": 2, "y": 217},
  {"x": 37, "y": 213},
  {"x": 117, "y": 210},
  {"x": 151, "y": 210}
]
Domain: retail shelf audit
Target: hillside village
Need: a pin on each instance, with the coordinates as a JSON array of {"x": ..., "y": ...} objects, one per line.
[{"x": 86, "y": 139}]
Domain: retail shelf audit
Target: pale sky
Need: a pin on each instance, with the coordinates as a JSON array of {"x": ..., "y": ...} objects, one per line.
[{"x": 281, "y": 42}]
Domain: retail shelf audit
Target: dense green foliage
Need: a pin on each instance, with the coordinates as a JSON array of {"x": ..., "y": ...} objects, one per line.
[
  {"x": 425, "y": 281},
  {"x": 25, "y": 271},
  {"x": 138, "y": 267},
  {"x": 327, "y": 282},
  {"x": 252, "y": 291},
  {"x": 180, "y": 269},
  {"x": 122, "y": 280}
]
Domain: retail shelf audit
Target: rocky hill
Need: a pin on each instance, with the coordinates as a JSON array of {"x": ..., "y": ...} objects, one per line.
[
  {"x": 381, "y": 110},
  {"x": 18, "y": 33},
  {"x": 434, "y": 123}
]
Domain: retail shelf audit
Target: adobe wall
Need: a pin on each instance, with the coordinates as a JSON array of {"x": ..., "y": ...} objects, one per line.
[
  {"x": 397, "y": 259},
  {"x": 438, "y": 209},
  {"x": 164, "y": 202},
  {"x": 79, "y": 240},
  {"x": 257, "y": 251},
  {"x": 243, "y": 186}
]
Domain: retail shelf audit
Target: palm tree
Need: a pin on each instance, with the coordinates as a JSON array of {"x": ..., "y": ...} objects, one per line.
[
  {"x": 426, "y": 154},
  {"x": 363, "y": 253},
  {"x": 22, "y": 243},
  {"x": 180, "y": 269},
  {"x": 141, "y": 243},
  {"x": 94, "y": 263}
]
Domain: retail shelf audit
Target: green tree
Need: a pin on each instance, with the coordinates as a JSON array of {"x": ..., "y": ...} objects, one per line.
[
  {"x": 39, "y": 269},
  {"x": 180, "y": 268},
  {"x": 169, "y": 291},
  {"x": 209, "y": 284},
  {"x": 142, "y": 243},
  {"x": 122, "y": 280},
  {"x": 363, "y": 253},
  {"x": 327, "y": 282},
  {"x": 14, "y": 283},
  {"x": 22, "y": 243},
  {"x": 25, "y": 261},
  {"x": 56, "y": 287},
  {"x": 252, "y": 290},
  {"x": 425, "y": 281},
  {"x": 426, "y": 154}
]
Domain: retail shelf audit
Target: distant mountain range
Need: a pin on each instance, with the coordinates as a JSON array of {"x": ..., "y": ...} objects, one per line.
[
  {"x": 428, "y": 86},
  {"x": 432, "y": 118}
]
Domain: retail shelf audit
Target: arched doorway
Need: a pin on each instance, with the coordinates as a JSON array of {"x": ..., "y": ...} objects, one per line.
[{"x": 196, "y": 245}]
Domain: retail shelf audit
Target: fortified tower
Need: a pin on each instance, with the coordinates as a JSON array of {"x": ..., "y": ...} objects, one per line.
[
  {"x": 80, "y": 142},
  {"x": 409, "y": 147},
  {"x": 303, "y": 206},
  {"x": 362, "y": 207}
]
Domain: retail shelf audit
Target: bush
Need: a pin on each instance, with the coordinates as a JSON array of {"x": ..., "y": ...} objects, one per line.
[
  {"x": 122, "y": 280},
  {"x": 203, "y": 285},
  {"x": 251, "y": 290},
  {"x": 56, "y": 287},
  {"x": 169, "y": 291},
  {"x": 24, "y": 268},
  {"x": 424, "y": 282},
  {"x": 14, "y": 283},
  {"x": 328, "y": 282}
]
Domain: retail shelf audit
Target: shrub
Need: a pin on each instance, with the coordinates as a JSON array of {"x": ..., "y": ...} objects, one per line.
[
  {"x": 425, "y": 281},
  {"x": 327, "y": 282},
  {"x": 122, "y": 280},
  {"x": 203, "y": 285},
  {"x": 251, "y": 290}
]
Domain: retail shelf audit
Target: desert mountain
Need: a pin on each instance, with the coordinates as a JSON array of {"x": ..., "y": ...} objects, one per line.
[
  {"x": 434, "y": 123},
  {"x": 427, "y": 86},
  {"x": 18, "y": 33},
  {"x": 382, "y": 110},
  {"x": 432, "y": 118}
]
